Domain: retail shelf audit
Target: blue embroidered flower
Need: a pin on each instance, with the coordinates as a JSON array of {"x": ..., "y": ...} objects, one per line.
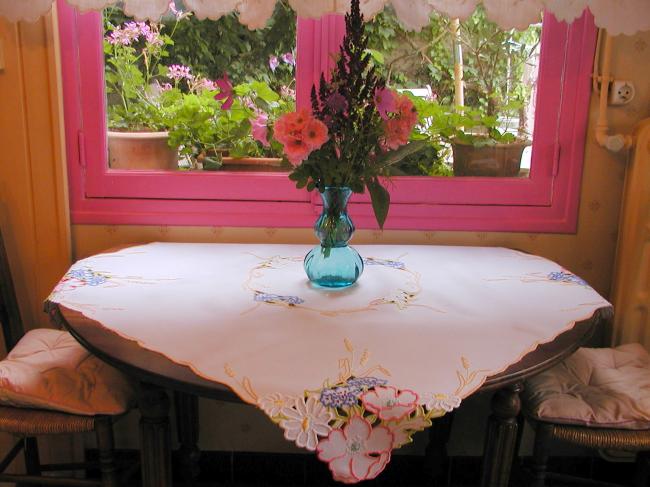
[
  {"x": 88, "y": 276},
  {"x": 336, "y": 397},
  {"x": 277, "y": 298},
  {"x": 563, "y": 276},
  {"x": 395, "y": 264},
  {"x": 366, "y": 382}
]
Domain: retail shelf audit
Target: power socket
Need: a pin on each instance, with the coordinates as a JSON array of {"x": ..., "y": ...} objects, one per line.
[{"x": 621, "y": 92}]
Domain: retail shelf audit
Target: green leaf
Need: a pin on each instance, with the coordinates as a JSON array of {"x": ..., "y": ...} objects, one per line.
[
  {"x": 380, "y": 199},
  {"x": 393, "y": 157}
]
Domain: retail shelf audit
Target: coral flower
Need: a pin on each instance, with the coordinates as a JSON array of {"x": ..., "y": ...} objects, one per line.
[
  {"x": 389, "y": 403},
  {"x": 359, "y": 452},
  {"x": 314, "y": 133},
  {"x": 296, "y": 151},
  {"x": 226, "y": 92}
]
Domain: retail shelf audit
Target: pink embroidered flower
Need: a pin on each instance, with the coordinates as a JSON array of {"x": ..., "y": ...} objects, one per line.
[
  {"x": 385, "y": 102},
  {"x": 306, "y": 421},
  {"x": 289, "y": 58},
  {"x": 389, "y": 403},
  {"x": 178, "y": 72},
  {"x": 260, "y": 130},
  {"x": 274, "y": 63},
  {"x": 226, "y": 92},
  {"x": 358, "y": 452}
]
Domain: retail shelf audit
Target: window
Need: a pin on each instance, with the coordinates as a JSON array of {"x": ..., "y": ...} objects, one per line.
[{"x": 545, "y": 199}]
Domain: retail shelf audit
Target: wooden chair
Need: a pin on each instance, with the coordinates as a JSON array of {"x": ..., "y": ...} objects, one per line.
[
  {"x": 583, "y": 401},
  {"x": 29, "y": 423}
]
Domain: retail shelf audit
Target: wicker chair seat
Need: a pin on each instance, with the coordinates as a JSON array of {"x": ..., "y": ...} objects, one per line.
[{"x": 22, "y": 421}]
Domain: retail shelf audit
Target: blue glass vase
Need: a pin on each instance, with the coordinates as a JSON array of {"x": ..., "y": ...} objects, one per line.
[{"x": 333, "y": 263}]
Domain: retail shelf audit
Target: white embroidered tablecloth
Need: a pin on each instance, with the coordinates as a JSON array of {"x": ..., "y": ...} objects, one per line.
[{"x": 352, "y": 373}]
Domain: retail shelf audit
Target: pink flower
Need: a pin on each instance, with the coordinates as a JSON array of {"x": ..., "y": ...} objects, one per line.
[
  {"x": 385, "y": 102},
  {"x": 288, "y": 58},
  {"x": 205, "y": 84},
  {"x": 274, "y": 63},
  {"x": 359, "y": 452},
  {"x": 398, "y": 127},
  {"x": 260, "y": 130},
  {"x": 178, "y": 72},
  {"x": 296, "y": 151},
  {"x": 314, "y": 134},
  {"x": 287, "y": 92},
  {"x": 226, "y": 92},
  {"x": 389, "y": 403},
  {"x": 289, "y": 126}
]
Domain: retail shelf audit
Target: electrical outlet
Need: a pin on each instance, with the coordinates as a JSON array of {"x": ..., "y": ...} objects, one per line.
[{"x": 621, "y": 92}]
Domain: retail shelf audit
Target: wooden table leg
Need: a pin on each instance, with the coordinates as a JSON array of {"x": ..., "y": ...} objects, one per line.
[
  {"x": 187, "y": 428},
  {"x": 155, "y": 441},
  {"x": 436, "y": 451},
  {"x": 501, "y": 437}
]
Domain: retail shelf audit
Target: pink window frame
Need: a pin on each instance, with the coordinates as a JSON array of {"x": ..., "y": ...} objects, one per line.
[{"x": 545, "y": 202}]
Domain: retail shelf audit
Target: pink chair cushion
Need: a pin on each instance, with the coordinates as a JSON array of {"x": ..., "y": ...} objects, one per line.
[
  {"x": 597, "y": 387},
  {"x": 48, "y": 369}
]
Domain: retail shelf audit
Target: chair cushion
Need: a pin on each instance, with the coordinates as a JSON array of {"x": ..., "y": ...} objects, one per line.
[
  {"x": 596, "y": 387},
  {"x": 49, "y": 369}
]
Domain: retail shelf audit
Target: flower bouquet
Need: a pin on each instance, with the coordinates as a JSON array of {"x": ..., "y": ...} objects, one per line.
[{"x": 355, "y": 130}]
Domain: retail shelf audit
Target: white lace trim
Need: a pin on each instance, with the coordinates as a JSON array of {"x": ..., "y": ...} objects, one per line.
[{"x": 618, "y": 17}]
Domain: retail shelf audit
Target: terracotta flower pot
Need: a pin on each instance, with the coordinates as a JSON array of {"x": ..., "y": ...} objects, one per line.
[
  {"x": 141, "y": 150},
  {"x": 498, "y": 160},
  {"x": 258, "y": 164}
]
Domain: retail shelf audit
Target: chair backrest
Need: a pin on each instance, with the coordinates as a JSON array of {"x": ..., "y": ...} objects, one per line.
[{"x": 12, "y": 325}]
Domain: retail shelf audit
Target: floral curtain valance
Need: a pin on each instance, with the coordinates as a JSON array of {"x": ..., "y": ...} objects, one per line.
[{"x": 617, "y": 16}]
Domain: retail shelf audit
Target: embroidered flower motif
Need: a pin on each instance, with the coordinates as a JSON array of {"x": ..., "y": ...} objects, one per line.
[
  {"x": 277, "y": 298},
  {"x": 272, "y": 404},
  {"x": 402, "y": 430},
  {"x": 87, "y": 276},
  {"x": 444, "y": 402},
  {"x": 306, "y": 421},
  {"x": 563, "y": 276},
  {"x": 366, "y": 382},
  {"x": 226, "y": 92},
  {"x": 395, "y": 264},
  {"x": 336, "y": 397},
  {"x": 389, "y": 403},
  {"x": 358, "y": 452}
]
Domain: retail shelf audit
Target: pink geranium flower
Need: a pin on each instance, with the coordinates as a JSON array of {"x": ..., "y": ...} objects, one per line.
[
  {"x": 178, "y": 72},
  {"x": 226, "y": 92},
  {"x": 288, "y": 58},
  {"x": 389, "y": 403},
  {"x": 274, "y": 63},
  {"x": 358, "y": 452},
  {"x": 296, "y": 151},
  {"x": 385, "y": 102},
  {"x": 260, "y": 130},
  {"x": 300, "y": 133}
]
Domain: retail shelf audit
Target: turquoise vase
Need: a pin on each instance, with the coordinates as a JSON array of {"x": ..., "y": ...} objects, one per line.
[{"x": 333, "y": 263}]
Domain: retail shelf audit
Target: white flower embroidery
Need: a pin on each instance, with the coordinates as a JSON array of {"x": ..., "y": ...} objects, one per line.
[
  {"x": 444, "y": 402},
  {"x": 306, "y": 421},
  {"x": 272, "y": 404}
]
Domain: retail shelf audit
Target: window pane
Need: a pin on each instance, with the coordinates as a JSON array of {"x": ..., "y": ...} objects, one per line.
[
  {"x": 189, "y": 94},
  {"x": 475, "y": 87}
]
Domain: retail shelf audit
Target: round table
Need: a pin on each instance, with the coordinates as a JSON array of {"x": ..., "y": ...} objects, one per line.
[{"x": 155, "y": 373}]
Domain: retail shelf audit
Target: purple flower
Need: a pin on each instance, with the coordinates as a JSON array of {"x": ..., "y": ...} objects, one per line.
[
  {"x": 339, "y": 396},
  {"x": 273, "y": 63},
  {"x": 163, "y": 86},
  {"x": 226, "y": 92},
  {"x": 395, "y": 264},
  {"x": 337, "y": 102},
  {"x": 178, "y": 72},
  {"x": 277, "y": 298},
  {"x": 563, "y": 276},
  {"x": 288, "y": 58},
  {"x": 287, "y": 92},
  {"x": 366, "y": 382},
  {"x": 87, "y": 276}
]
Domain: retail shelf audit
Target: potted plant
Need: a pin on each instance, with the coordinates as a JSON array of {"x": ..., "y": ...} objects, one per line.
[
  {"x": 137, "y": 115},
  {"x": 482, "y": 148}
]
